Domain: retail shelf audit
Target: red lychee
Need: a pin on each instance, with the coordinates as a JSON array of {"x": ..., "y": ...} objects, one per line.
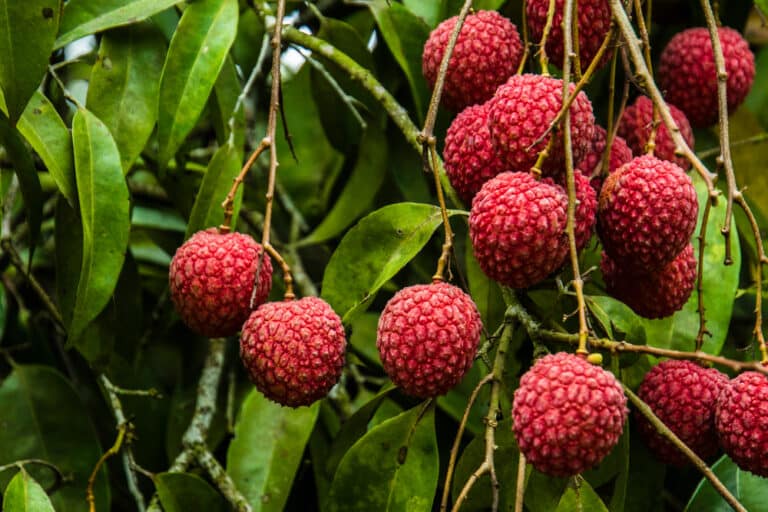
[
  {"x": 427, "y": 338},
  {"x": 293, "y": 350},
  {"x": 654, "y": 294},
  {"x": 212, "y": 278},
  {"x": 741, "y": 420},
  {"x": 646, "y": 213},
  {"x": 470, "y": 159},
  {"x": 636, "y": 124},
  {"x": 520, "y": 113},
  {"x": 586, "y": 207},
  {"x": 590, "y": 164},
  {"x": 594, "y": 22},
  {"x": 487, "y": 52},
  {"x": 517, "y": 227},
  {"x": 567, "y": 414},
  {"x": 683, "y": 395},
  {"x": 688, "y": 77}
]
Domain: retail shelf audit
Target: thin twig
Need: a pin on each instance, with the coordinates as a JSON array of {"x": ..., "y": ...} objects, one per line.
[
  {"x": 520, "y": 484},
  {"x": 700, "y": 278},
  {"x": 229, "y": 201},
  {"x": 113, "y": 450},
  {"x": 247, "y": 87},
  {"x": 755, "y": 139},
  {"x": 695, "y": 459},
  {"x": 543, "y": 60}
]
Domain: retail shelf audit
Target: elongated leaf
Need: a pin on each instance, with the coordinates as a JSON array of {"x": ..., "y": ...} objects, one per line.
[
  {"x": 24, "y": 494},
  {"x": 83, "y": 17},
  {"x": 68, "y": 237},
  {"x": 29, "y": 183},
  {"x": 265, "y": 454},
  {"x": 197, "y": 53},
  {"x": 43, "y": 418},
  {"x": 105, "y": 217},
  {"x": 584, "y": 498},
  {"x": 485, "y": 292},
  {"x": 751, "y": 490},
  {"x": 207, "y": 211},
  {"x": 379, "y": 245},
  {"x": 45, "y": 131},
  {"x": 394, "y": 467},
  {"x": 360, "y": 189},
  {"x": 405, "y": 35},
  {"x": 180, "y": 492},
  {"x": 27, "y": 31},
  {"x": 123, "y": 88}
]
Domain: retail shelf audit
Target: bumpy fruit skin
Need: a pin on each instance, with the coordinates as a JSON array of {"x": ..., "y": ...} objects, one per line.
[
  {"x": 211, "y": 279},
  {"x": 487, "y": 52},
  {"x": 470, "y": 159},
  {"x": 647, "y": 213},
  {"x": 293, "y": 350},
  {"x": 586, "y": 207},
  {"x": 654, "y": 294},
  {"x": 521, "y": 111},
  {"x": 688, "y": 77},
  {"x": 594, "y": 22},
  {"x": 620, "y": 154},
  {"x": 741, "y": 420},
  {"x": 427, "y": 338},
  {"x": 636, "y": 124},
  {"x": 683, "y": 395},
  {"x": 567, "y": 414},
  {"x": 517, "y": 228}
]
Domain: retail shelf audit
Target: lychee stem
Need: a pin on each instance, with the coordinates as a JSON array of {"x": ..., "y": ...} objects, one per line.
[
  {"x": 570, "y": 228},
  {"x": 705, "y": 470},
  {"x": 610, "y": 131},
  {"x": 229, "y": 201},
  {"x": 543, "y": 60},
  {"x": 526, "y": 40},
  {"x": 642, "y": 24},
  {"x": 700, "y": 277}
]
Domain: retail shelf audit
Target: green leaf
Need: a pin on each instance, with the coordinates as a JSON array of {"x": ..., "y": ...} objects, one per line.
[
  {"x": 26, "y": 40},
  {"x": 105, "y": 217},
  {"x": 207, "y": 211},
  {"x": 506, "y": 458},
  {"x": 197, "y": 53},
  {"x": 405, "y": 35},
  {"x": 373, "y": 251},
  {"x": 29, "y": 182},
  {"x": 360, "y": 189},
  {"x": 750, "y": 489},
  {"x": 45, "y": 131},
  {"x": 582, "y": 498},
  {"x": 542, "y": 492},
  {"x": 265, "y": 454},
  {"x": 24, "y": 494},
  {"x": 68, "y": 238},
  {"x": 394, "y": 467},
  {"x": 123, "y": 88},
  {"x": 485, "y": 292},
  {"x": 84, "y": 17},
  {"x": 180, "y": 492},
  {"x": 43, "y": 418}
]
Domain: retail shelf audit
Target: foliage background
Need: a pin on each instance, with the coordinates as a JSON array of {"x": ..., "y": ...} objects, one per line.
[{"x": 115, "y": 147}]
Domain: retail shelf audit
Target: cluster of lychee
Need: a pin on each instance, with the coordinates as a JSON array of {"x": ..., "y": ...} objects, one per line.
[
  {"x": 293, "y": 350},
  {"x": 504, "y": 158}
]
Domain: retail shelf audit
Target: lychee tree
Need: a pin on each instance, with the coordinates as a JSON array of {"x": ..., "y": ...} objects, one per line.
[{"x": 383, "y": 255}]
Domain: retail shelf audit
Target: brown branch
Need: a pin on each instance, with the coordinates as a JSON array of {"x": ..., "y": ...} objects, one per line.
[
  {"x": 228, "y": 204},
  {"x": 662, "y": 429},
  {"x": 702, "y": 237}
]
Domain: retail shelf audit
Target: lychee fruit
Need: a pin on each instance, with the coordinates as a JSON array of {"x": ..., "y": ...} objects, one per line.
[
  {"x": 212, "y": 278},
  {"x": 427, "y": 338},
  {"x": 517, "y": 228},
  {"x": 520, "y": 113},
  {"x": 653, "y": 294},
  {"x": 590, "y": 164},
  {"x": 487, "y": 52},
  {"x": 470, "y": 159},
  {"x": 594, "y": 21},
  {"x": 741, "y": 420},
  {"x": 586, "y": 206},
  {"x": 293, "y": 350},
  {"x": 637, "y": 122},
  {"x": 688, "y": 76},
  {"x": 646, "y": 213},
  {"x": 683, "y": 396},
  {"x": 567, "y": 414}
]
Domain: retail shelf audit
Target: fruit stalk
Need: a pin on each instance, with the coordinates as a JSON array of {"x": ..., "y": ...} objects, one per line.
[
  {"x": 543, "y": 60},
  {"x": 642, "y": 24},
  {"x": 646, "y": 411},
  {"x": 578, "y": 283},
  {"x": 644, "y": 77}
]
